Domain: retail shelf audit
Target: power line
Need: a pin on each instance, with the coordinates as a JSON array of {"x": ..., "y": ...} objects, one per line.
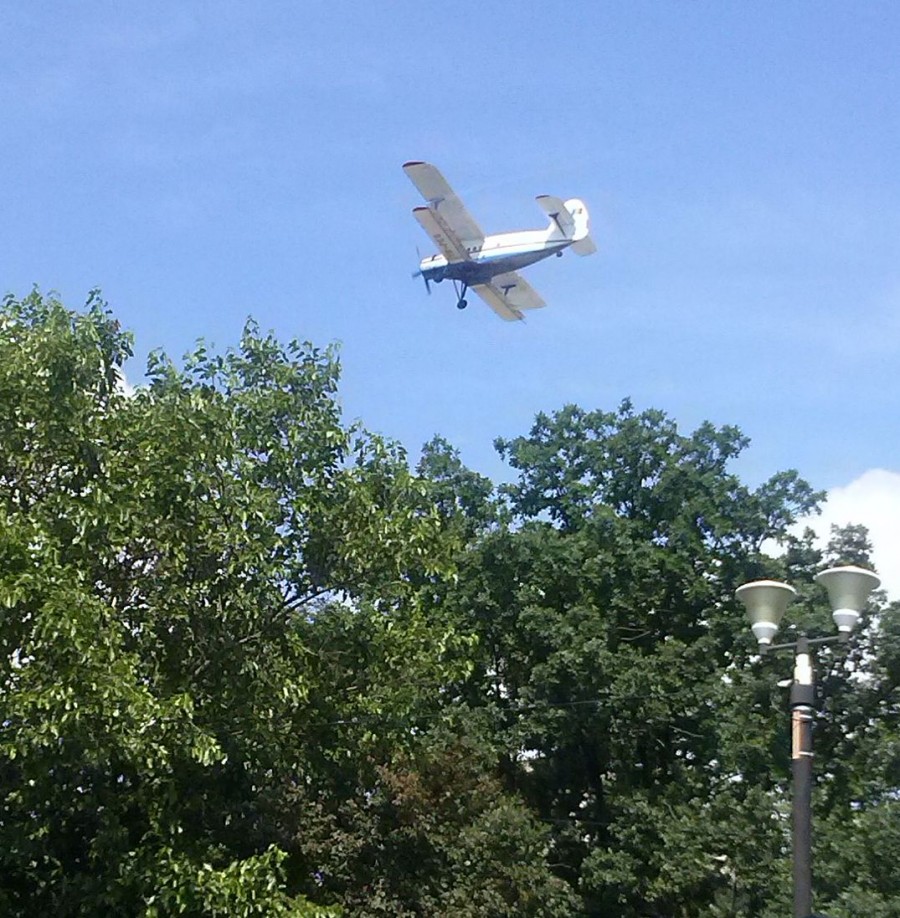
[{"x": 491, "y": 708}]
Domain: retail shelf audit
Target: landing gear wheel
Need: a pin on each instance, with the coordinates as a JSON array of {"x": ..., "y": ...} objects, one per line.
[{"x": 459, "y": 288}]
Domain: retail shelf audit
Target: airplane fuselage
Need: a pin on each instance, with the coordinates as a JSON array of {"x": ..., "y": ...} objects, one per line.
[{"x": 494, "y": 255}]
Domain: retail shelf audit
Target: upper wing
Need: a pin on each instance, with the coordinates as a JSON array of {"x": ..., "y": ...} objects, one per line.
[
  {"x": 508, "y": 294},
  {"x": 448, "y": 211},
  {"x": 450, "y": 245}
]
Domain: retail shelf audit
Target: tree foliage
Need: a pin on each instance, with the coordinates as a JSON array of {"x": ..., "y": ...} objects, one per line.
[
  {"x": 637, "y": 719},
  {"x": 253, "y": 663},
  {"x": 159, "y": 554}
]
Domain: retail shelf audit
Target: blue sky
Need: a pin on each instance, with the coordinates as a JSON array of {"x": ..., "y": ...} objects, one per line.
[{"x": 202, "y": 162}]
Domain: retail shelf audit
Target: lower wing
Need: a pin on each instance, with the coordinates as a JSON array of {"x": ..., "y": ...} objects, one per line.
[{"x": 508, "y": 294}]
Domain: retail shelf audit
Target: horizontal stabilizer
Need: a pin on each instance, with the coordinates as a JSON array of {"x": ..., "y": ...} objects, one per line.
[
  {"x": 584, "y": 246},
  {"x": 558, "y": 213},
  {"x": 571, "y": 219}
]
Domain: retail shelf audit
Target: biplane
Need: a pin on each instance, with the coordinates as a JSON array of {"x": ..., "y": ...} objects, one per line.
[{"x": 489, "y": 265}]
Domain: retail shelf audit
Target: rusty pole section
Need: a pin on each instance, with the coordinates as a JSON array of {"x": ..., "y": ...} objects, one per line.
[{"x": 802, "y": 698}]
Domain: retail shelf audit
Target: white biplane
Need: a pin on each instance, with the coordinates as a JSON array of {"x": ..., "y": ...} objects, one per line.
[{"x": 488, "y": 264}]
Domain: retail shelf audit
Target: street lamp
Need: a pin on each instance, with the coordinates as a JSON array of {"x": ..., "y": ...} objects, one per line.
[{"x": 766, "y": 600}]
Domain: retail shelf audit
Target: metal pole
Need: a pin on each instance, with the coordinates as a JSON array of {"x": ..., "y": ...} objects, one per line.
[{"x": 802, "y": 698}]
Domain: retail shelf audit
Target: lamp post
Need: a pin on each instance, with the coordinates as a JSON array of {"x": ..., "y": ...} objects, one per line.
[{"x": 766, "y": 600}]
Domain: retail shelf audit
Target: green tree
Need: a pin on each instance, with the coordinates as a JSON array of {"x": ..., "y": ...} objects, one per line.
[
  {"x": 857, "y": 749},
  {"x": 222, "y": 664},
  {"x": 251, "y": 663},
  {"x": 615, "y": 662},
  {"x": 424, "y": 828},
  {"x": 158, "y": 557}
]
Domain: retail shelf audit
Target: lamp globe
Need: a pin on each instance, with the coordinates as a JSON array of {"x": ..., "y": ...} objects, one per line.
[{"x": 765, "y": 601}]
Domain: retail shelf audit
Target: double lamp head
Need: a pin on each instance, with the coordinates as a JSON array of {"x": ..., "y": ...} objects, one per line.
[{"x": 848, "y": 590}]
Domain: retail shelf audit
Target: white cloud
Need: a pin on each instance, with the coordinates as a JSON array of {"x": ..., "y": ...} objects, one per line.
[
  {"x": 872, "y": 500},
  {"x": 124, "y": 385}
]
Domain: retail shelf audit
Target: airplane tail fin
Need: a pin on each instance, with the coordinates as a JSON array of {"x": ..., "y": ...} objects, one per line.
[
  {"x": 568, "y": 220},
  {"x": 582, "y": 244}
]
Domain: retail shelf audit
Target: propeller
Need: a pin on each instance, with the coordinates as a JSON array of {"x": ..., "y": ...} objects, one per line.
[{"x": 421, "y": 273}]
